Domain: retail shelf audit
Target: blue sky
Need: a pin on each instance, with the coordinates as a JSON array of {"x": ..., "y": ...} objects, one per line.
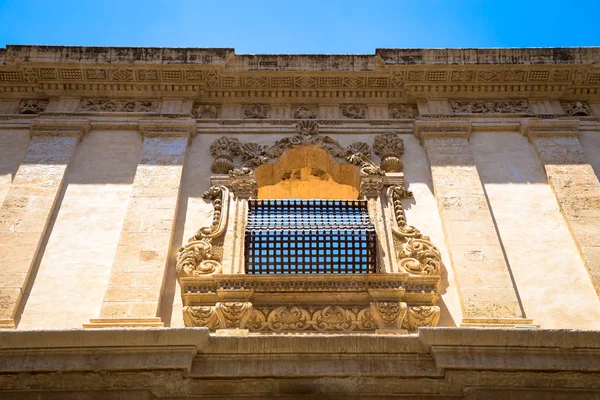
[{"x": 336, "y": 26}]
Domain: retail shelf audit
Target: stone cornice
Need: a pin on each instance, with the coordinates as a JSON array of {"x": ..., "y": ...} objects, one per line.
[{"x": 218, "y": 74}]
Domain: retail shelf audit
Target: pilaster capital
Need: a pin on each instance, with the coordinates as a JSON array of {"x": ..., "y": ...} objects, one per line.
[
  {"x": 442, "y": 129},
  {"x": 167, "y": 127},
  {"x": 547, "y": 128},
  {"x": 59, "y": 127}
]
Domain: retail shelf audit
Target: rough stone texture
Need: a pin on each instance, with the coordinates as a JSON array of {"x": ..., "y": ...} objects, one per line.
[
  {"x": 136, "y": 280},
  {"x": 26, "y": 212},
  {"x": 486, "y": 288},
  {"x": 577, "y": 190}
]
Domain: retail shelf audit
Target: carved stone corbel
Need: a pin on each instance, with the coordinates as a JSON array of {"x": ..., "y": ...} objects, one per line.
[
  {"x": 389, "y": 147},
  {"x": 388, "y": 316},
  {"x": 419, "y": 316},
  {"x": 199, "y": 257},
  {"x": 226, "y": 315},
  {"x": 414, "y": 251}
]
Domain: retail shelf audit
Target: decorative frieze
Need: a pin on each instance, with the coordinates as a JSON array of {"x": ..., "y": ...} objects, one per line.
[
  {"x": 112, "y": 105},
  {"x": 32, "y": 106},
  {"x": 491, "y": 107},
  {"x": 378, "y": 316}
]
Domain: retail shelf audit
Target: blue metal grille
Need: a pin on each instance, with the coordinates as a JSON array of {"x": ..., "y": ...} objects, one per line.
[{"x": 309, "y": 237}]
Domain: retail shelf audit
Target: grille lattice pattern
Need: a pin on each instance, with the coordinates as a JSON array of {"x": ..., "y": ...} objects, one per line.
[{"x": 309, "y": 237}]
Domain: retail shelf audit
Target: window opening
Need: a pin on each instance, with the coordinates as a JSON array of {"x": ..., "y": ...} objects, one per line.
[{"x": 296, "y": 236}]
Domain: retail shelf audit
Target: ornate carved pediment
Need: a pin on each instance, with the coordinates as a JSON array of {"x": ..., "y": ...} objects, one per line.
[{"x": 307, "y": 133}]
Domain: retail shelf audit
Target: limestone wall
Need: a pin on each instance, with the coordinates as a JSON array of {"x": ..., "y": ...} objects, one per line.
[{"x": 104, "y": 163}]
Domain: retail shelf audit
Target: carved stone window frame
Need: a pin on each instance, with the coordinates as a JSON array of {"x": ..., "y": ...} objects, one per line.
[{"x": 399, "y": 297}]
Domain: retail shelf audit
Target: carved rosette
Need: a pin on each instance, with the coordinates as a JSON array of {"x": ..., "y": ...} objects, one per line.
[
  {"x": 224, "y": 150},
  {"x": 415, "y": 252},
  {"x": 389, "y": 147},
  {"x": 199, "y": 256}
]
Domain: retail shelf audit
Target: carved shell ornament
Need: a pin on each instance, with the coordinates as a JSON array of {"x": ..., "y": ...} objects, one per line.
[{"x": 198, "y": 256}]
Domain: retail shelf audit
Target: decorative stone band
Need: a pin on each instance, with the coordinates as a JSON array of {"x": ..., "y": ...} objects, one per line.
[
  {"x": 59, "y": 127},
  {"x": 381, "y": 317},
  {"x": 168, "y": 127},
  {"x": 304, "y": 289}
]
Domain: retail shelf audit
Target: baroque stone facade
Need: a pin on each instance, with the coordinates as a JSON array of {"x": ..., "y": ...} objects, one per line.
[{"x": 126, "y": 186}]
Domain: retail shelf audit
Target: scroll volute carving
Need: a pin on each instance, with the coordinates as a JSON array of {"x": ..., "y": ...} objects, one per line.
[
  {"x": 415, "y": 252},
  {"x": 201, "y": 256}
]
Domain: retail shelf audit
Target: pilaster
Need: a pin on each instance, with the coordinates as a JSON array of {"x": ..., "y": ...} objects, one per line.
[
  {"x": 574, "y": 184},
  {"x": 28, "y": 206},
  {"x": 483, "y": 278},
  {"x": 135, "y": 285}
]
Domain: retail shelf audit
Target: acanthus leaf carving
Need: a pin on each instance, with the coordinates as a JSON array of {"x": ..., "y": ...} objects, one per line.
[
  {"x": 388, "y": 315},
  {"x": 32, "y": 106},
  {"x": 305, "y": 113},
  {"x": 206, "y": 111},
  {"x": 416, "y": 253},
  {"x": 307, "y": 133},
  {"x": 403, "y": 111},
  {"x": 491, "y": 107},
  {"x": 199, "y": 257},
  {"x": 419, "y": 316},
  {"x": 113, "y": 105}
]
